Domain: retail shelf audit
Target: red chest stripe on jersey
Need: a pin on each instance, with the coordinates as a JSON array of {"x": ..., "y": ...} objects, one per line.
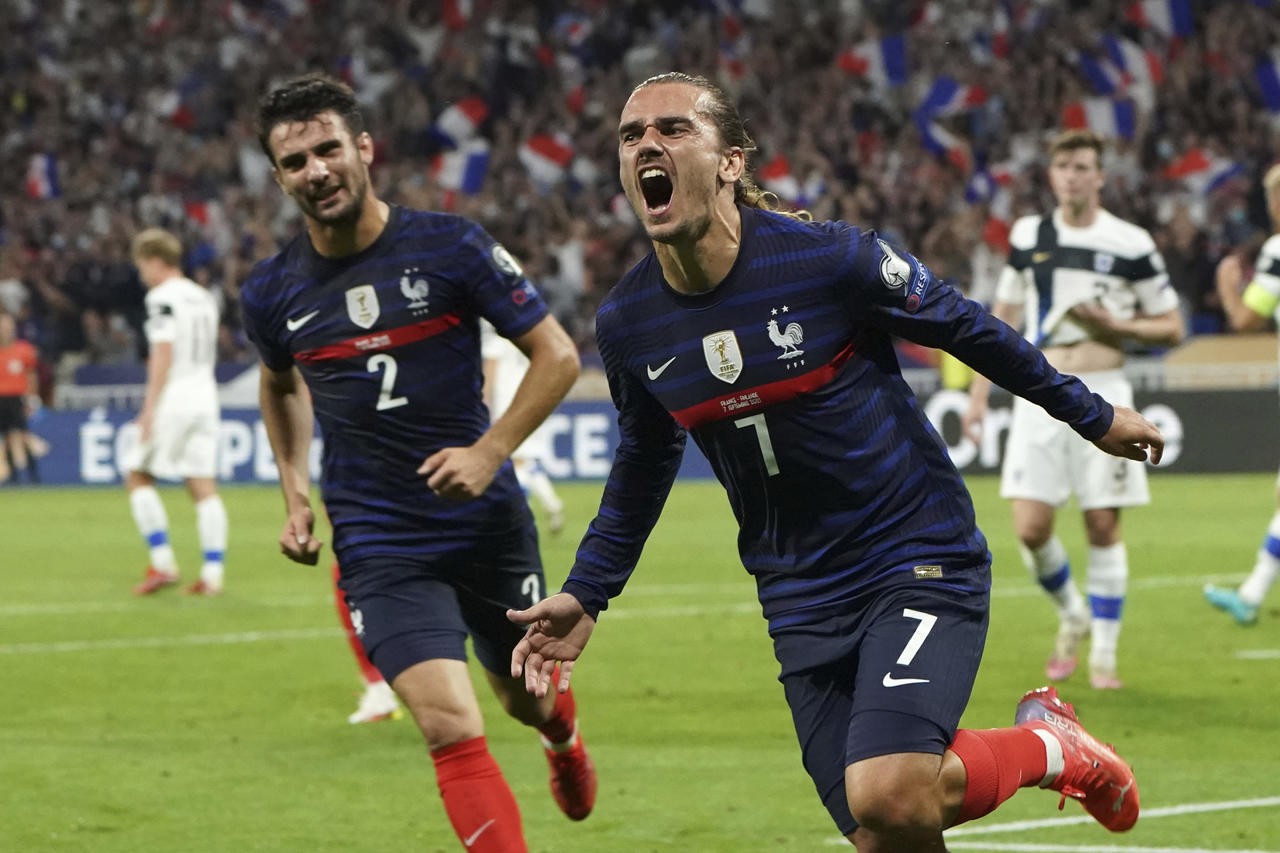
[
  {"x": 749, "y": 399},
  {"x": 386, "y": 339}
]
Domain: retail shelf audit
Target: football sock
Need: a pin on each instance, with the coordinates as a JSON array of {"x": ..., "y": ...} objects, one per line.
[
  {"x": 153, "y": 524},
  {"x": 1254, "y": 589},
  {"x": 479, "y": 803},
  {"x": 560, "y": 733},
  {"x": 211, "y": 523},
  {"x": 1050, "y": 567},
  {"x": 368, "y": 671},
  {"x": 1108, "y": 579},
  {"x": 998, "y": 762}
]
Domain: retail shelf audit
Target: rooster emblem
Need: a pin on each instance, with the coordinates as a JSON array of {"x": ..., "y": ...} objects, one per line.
[
  {"x": 415, "y": 292},
  {"x": 788, "y": 338}
]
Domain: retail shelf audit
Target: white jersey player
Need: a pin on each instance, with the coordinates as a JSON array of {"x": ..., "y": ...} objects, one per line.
[
  {"x": 1082, "y": 282},
  {"x": 178, "y": 424},
  {"x": 1248, "y": 312},
  {"x": 504, "y": 368}
]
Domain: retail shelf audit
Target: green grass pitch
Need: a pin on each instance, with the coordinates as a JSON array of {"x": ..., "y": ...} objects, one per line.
[{"x": 173, "y": 724}]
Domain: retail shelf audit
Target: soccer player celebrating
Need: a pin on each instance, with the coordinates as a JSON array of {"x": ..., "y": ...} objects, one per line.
[
  {"x": 768, "y": 338},
  {"x": 375, "y": 312},
  {"x": 1248, "y": 312},
  {"x": 1089, "y": 282},
  {"x": 178, "y": 424}
]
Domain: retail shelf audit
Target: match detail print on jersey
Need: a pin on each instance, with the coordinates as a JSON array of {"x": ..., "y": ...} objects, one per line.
[{"x": 384, "y": 340}]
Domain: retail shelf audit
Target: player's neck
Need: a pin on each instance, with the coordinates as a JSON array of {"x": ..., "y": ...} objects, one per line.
[
  {"x": 1079, "y": 216},
  {"x": 338, "y": 241},
  {"x": 698, "y": 266}
]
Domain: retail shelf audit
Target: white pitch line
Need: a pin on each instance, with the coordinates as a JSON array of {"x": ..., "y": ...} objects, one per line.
[
  {"x": 1259, "y": 654},
  {"x": 1088, "y": 848},
  {"x": 163, "y": 642},
  {"x": 1147, "y": 814},
  {"x": 1029, "y": 590}
]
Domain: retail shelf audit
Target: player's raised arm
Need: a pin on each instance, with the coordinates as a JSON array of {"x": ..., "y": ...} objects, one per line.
[{"x": 287, "y": 416}]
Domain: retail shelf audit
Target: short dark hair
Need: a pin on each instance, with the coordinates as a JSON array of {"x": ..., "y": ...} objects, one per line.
[
  {"x": 733, "y": 133},
  {"x": 1076, "y": 140},
  {"x": 304, "y": 98}
]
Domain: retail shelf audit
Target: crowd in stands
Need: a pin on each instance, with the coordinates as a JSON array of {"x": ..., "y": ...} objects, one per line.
[{"x": 924, "y": 120}]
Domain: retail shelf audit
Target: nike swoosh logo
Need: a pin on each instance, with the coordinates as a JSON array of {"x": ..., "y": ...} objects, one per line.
[
  {"x": 654, "y": 374},
  {"x": 294, "y": 324},
  {"x": 471, "y": 839},
  {"x": 890, "y": 681}
]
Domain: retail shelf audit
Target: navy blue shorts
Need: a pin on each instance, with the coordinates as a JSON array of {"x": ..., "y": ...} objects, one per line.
[
  {"x": 892, "y": 676},
  {"x": 407, "y": 610}
]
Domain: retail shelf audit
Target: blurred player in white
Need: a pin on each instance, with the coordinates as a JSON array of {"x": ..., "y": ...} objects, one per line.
[
  {"x": 504, "y": 368},
  {"x": 1082, "y": 282},
  {"x": 178, "y": 424},
  {"x": 1246, "y": 312}
]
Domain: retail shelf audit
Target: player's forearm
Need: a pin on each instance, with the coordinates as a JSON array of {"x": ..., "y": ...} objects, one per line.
[
  {"x": 553, "y": 368},
  {"x": 1240, "y": 317},
  {"x": 287, "y": 417},
  {"x": 1163, "y": 330}
]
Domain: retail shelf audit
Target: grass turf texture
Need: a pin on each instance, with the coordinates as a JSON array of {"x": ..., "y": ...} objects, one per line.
[{"x": 178, "y": 724}]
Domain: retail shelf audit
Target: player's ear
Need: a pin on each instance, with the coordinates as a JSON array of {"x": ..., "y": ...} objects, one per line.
[
  {"x": 364, "y": 142},
  {"x": 732, "y": 164}
]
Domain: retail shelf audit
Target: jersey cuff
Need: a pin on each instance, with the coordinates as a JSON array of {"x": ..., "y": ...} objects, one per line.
[
  {"x": 1258, "y": 300},
  {"x": 1095, "y": 426},
  {"x": 591, "y": 596}
]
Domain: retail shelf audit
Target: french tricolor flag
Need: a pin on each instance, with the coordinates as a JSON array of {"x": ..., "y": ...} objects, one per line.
[
  {"x": 42, "y": 176},
  {"x": 1104, "y": 116},
  {"x": 463, "y": 169},
  {"x": 460, "y": 121},
  {"x": 1104, "y": 77},
  {"x": 943, "y": 143},
  {"x": 1267, "y": 72},
  {"x": 1167, "y": 17},
  {"x": 777, "y": 177},
  {"x": 1202, "y": 172},
  {"x": 947, "y": 97},
  {"x": 882, "y": 62},
  {"x": 546, "y": 158},
  {"x": 456, "y": 13},
  {"x": 1138, "y": 64}
]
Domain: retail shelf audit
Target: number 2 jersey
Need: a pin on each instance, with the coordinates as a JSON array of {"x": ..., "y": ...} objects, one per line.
[
  {"x": 388, "y": 342},
  {"x": 786, "y": 377}
]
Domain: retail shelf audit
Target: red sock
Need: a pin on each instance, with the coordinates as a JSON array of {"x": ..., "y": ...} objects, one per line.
[
  {"x": 560, "y": 727},
  {"x": 997, "y": 762},
  {"x": 367, "y": 669},
  {"x": 480, "y": 806}
]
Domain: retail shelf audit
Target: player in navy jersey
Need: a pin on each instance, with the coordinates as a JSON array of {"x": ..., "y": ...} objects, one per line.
[
  {"x": 768, "y": 339},
  {"x": 371, "y": 321}
]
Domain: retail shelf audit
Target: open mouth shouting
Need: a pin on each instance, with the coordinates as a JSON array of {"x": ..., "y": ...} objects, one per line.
[{"x": 656, "y": 187}]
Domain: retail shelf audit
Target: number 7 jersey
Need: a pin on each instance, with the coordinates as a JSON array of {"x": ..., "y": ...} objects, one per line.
[
  {"x": 388, "y": 342},
  {"x": 786, "y": 377}
]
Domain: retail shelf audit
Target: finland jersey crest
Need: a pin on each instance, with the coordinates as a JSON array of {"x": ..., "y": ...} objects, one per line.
[
  {"x": 724, "y": 358},
  {"x": 362, "y": 305}
]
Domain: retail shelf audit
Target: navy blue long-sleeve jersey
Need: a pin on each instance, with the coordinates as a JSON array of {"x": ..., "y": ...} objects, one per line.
[
  {"x": 388, "y": 342},
  {"x": 786, "y": 377}
]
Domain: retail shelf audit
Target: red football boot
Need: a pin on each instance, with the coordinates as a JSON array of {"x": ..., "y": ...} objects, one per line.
[
  {"x": 154, "y": 580},
  {"x": 573, "y": 777}
]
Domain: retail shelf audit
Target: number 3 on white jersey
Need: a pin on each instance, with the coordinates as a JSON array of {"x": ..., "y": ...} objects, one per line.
[
  {"x": 385, "y": 400},
  {"x": 762, "y": 435}
]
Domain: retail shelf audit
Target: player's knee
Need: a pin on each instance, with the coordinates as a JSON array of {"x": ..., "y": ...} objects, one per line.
[
  {"x": 892, "y": 800},
  {"x": 443, "y": 727}
]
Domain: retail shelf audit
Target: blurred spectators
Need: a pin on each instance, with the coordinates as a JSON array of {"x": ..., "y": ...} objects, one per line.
[{"x": 118, "y": 116}]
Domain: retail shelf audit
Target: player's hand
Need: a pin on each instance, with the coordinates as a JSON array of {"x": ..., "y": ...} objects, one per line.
[
  {"x": 1098, "y": 321},
  {"x": 1133, "y": 437},
  {"x": 971, "y": 421},
  {"x": 558, "y": 632},
  {"x": 460, "y": 473},
  {"x": 296, "y": 541}
]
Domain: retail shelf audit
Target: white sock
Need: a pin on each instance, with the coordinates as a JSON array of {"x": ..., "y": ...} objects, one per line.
[
  {"x": 1051, "y": 569},
  {"x": 1265, "y": 570},
  {"x": 153, "y": 524},
  {"x": 1107, "y": 582},
  {"x": 211, "y": 522}
]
